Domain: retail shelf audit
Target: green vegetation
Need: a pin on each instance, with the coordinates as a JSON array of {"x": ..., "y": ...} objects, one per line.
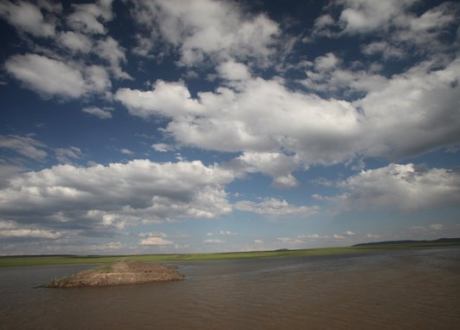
[{"x": 11, "y": 261}]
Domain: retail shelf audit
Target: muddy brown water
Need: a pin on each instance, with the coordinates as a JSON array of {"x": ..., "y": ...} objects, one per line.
[{"x": 398, "y": 290}]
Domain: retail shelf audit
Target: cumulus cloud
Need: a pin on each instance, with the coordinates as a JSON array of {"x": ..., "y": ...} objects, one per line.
[
  {"x": 97, "y": 80},
  {"x": 326, "y": 62},
  {"x": 400, "y": 187},
  {"x": 328, "y": 74},
  {"x": 126, "y": 151},
  {"x": 28, "y": 17},
  {"x": 162, "y": 147},
  {"x": 317, "y": 130},
  {"x": 119, "y": 194},
  {"x": 275, "y": 207},
  {"x": 25, "y": 146},
  {"x": 110, "y": 50},
  {"x": 76, "y": 42},
  {"x": 153, "y": 239},
  {"x": 232, "y": 70},
  {"x": 393, "y": 115},
  {"x": 46, "y": 76},
  {"x": 8, "y": 170},
  {"x": 73, "y": 63},
  {"x": 90, "y": 17},
  {"x": 360, "y": 16},
  {"x": 398, "y": 21},
  {"x": 344, "y": 109},
  {"x": 276, "y": 165},
  {"x": 219, "y": 30},
  {"x": 53, "y": 77},
  {"x": 170, "y": 99},
  {"x": 413, "y": 112}
]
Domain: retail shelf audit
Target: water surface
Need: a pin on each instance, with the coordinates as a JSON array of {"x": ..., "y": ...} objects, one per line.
[{"x": 418, "y": 289}]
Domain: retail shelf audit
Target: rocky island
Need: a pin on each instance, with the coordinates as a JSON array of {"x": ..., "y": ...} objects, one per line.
[{"x": 119, "y": 273}]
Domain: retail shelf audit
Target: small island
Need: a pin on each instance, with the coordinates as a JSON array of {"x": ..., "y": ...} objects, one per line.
[{"x": 119, "y": 273}]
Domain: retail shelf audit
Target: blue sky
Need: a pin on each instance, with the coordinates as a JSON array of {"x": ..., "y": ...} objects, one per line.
[{"x": 173, "y": 126}]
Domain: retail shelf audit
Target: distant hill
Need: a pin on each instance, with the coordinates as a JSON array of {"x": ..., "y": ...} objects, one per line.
[{"x": 440, "y": 241}]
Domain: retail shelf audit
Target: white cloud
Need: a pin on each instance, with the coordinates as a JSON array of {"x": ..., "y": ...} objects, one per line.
[
  {"x": 10, "y": 229},
  {"x": 326, "y": 62},
  {"x": 276, "y": 165},
  {"x": 275, "y": 207},
  {"x": 213, "y": 241},
  {"x": 75, "y": 41},
  {"x": 126, "y": 151},
  {"x": 162, "y": 147},
  {"x": 360, "y": 16},
  {"x": 166, "y": 99},
  {"x": 285, "y": 181},
  {"x": 323, "y": 21},
  {"x": 232, "y": 70},
  {"x": 26, "y": 146},
  {"x": 384, "y": 48},
  {"x": 155, "y": 240},
  {"x": 109, "y": 50},
  {"x": 46, "y": 76},
  {"x": 400, "y": 187},
  {"x": 56, "y": 77},
  {"x": 98, "y": 80},
  {"x": 413, "y": 112},
  {"x": 67, "y": 155},
  {"x": 204, "y": 29},
  {"x": 290, "y": 240},
  {"x": 28, "y": 17},
  {"x": 7, "y": 171},
  {"x": 328, "y": 74},
  {"x": 106, "y": 246},
  {"x": 119, "y": 194},
  {"x": 264, "y": 116},
  {"x": 90, "y": 18},
  {"x": 101, "y": 113},
  {"x": 402, "y": 22},
  {"x": 396, "y": 111}
]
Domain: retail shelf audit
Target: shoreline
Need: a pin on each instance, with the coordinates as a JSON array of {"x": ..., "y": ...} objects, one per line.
[{"x": 42, "y": 260}]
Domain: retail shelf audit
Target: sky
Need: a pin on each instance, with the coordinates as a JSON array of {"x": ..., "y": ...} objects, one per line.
[{"x": 164, "y": 126}]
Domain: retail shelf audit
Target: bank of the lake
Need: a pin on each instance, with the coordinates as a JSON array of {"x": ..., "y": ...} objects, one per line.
[
  {"x": 14, "y": 261},
  {"x": 413, "y": 288}
]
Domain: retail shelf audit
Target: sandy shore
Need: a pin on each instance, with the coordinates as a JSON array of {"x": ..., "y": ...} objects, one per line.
[{"x": 120, "y": 273}]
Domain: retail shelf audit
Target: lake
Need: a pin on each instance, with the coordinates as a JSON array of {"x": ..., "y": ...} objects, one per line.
[{"x": 412, "y": 289}]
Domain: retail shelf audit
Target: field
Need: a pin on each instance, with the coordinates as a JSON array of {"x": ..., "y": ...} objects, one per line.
[{"x": 12, "y": 261}]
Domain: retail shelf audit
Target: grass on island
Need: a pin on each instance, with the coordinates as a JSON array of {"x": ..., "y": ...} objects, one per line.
[{"x": 11, "y": 261}]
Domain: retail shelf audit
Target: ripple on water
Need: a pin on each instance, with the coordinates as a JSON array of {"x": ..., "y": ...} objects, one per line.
[{"x": 404, "y": 290}]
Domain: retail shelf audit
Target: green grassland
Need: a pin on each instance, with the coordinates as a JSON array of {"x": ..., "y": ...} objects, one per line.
[{"x": 12, "y": 261}]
